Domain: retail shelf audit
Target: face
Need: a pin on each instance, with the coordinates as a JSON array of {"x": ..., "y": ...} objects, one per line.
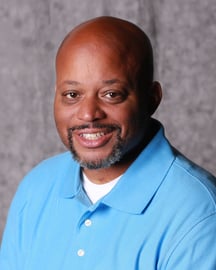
[{"x": 97, "y": 110}]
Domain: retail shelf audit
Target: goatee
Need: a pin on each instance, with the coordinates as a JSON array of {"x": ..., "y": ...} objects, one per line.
[{"x": 112, "y": 158}]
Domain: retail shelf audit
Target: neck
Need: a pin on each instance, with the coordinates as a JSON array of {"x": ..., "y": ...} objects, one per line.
[{"x": 105, "y": 175}]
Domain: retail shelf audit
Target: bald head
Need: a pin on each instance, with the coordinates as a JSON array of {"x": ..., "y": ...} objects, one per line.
[{"x": 122, "y": 37}]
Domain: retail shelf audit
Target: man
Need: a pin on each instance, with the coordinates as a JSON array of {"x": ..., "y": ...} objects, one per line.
[{"x": 128, "y": 200}]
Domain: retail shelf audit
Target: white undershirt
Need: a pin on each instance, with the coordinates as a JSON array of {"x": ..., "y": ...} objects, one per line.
[{"x": 96, "y": 191}]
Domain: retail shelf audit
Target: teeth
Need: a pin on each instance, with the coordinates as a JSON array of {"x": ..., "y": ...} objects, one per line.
[{"x": 92, "y": 136}]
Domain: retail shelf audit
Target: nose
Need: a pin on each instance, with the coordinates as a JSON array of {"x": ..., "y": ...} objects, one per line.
[{"x": 90, "y": 110}]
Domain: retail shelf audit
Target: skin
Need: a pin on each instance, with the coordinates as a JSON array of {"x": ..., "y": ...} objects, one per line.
[{"x": 105, "y": 94}]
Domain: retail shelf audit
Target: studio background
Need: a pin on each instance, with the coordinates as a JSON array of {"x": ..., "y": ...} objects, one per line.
[{"x": 183, "y": 35}]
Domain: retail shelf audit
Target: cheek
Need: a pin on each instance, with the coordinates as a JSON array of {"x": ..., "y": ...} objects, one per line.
[
  {"x": 62, "y": 114},
  {"x": 130, "y": 123},
  {"x": 62, "y": 121}
]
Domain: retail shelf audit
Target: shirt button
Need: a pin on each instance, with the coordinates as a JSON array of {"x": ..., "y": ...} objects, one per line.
[
  {"x": 80, "y": 252},
  {"x": 88, "y": 222}
]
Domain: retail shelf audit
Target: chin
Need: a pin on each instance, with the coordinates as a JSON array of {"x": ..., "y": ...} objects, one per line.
[{"x": 93, "y": 162}]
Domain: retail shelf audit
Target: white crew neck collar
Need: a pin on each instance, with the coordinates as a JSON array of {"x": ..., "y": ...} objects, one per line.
[{"x": 96, "y": 191}]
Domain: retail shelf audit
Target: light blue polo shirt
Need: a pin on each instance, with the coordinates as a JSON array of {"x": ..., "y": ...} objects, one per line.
[{"x": 160, "y": 215}]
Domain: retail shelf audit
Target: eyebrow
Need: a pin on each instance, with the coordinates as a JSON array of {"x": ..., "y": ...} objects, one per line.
[
  {"x": 111, "y": 81},
  {"x": 70, "y": 82}
]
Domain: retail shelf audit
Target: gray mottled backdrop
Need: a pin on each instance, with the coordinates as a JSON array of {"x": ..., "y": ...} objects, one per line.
[{"x": 183, "y": 34}]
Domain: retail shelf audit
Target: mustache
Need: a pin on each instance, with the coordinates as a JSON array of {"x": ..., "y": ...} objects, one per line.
[{"x": 108, "y": 127}]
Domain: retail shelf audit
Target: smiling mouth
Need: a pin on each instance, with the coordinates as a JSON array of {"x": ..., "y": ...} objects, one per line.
[{"x": 93, "y": 136}]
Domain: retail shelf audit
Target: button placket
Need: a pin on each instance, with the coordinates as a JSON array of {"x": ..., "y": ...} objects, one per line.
[{"x": 87, "y": 222}]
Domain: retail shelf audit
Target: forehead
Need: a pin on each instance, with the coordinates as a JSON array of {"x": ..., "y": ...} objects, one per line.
[
  {"x": 90, "y": 51},
  {"x": 96, "y": 55},
  {"x": 107, "y": 44}
]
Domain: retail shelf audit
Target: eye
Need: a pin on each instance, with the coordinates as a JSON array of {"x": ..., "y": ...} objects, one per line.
[
  {"x": 112, "y": 94},
  {"x": 71, "y": 95},
  {"x": 115, "y": 96}
]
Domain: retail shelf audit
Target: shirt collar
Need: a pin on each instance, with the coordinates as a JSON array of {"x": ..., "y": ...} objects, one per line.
[
  {"x": 70, "y": 179},
  {"x": 138, "y": 184}
]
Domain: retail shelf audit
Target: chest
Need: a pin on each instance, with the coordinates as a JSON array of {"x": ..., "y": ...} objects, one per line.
[{"x": 68, "y": 235}]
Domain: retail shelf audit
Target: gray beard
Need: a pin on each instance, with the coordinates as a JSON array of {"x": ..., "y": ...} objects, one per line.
[{"x": 115, "y": 155}]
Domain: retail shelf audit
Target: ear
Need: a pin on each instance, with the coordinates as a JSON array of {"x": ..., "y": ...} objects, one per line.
[{"x": 155, "y": 96}]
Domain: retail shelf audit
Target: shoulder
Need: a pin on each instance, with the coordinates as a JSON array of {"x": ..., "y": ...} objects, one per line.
[
  {"x": 195, "y": 178},
  {"x": 54, "y": 163},
  {"x": 192, "y": 189},
  {"x": 189, "y": 209},
  {"x": 50, "y": 167},
  {"x": 43, "y": 177}
]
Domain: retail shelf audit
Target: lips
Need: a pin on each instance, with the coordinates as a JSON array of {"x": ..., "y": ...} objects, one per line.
[{"x": 92, "y": 138}]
